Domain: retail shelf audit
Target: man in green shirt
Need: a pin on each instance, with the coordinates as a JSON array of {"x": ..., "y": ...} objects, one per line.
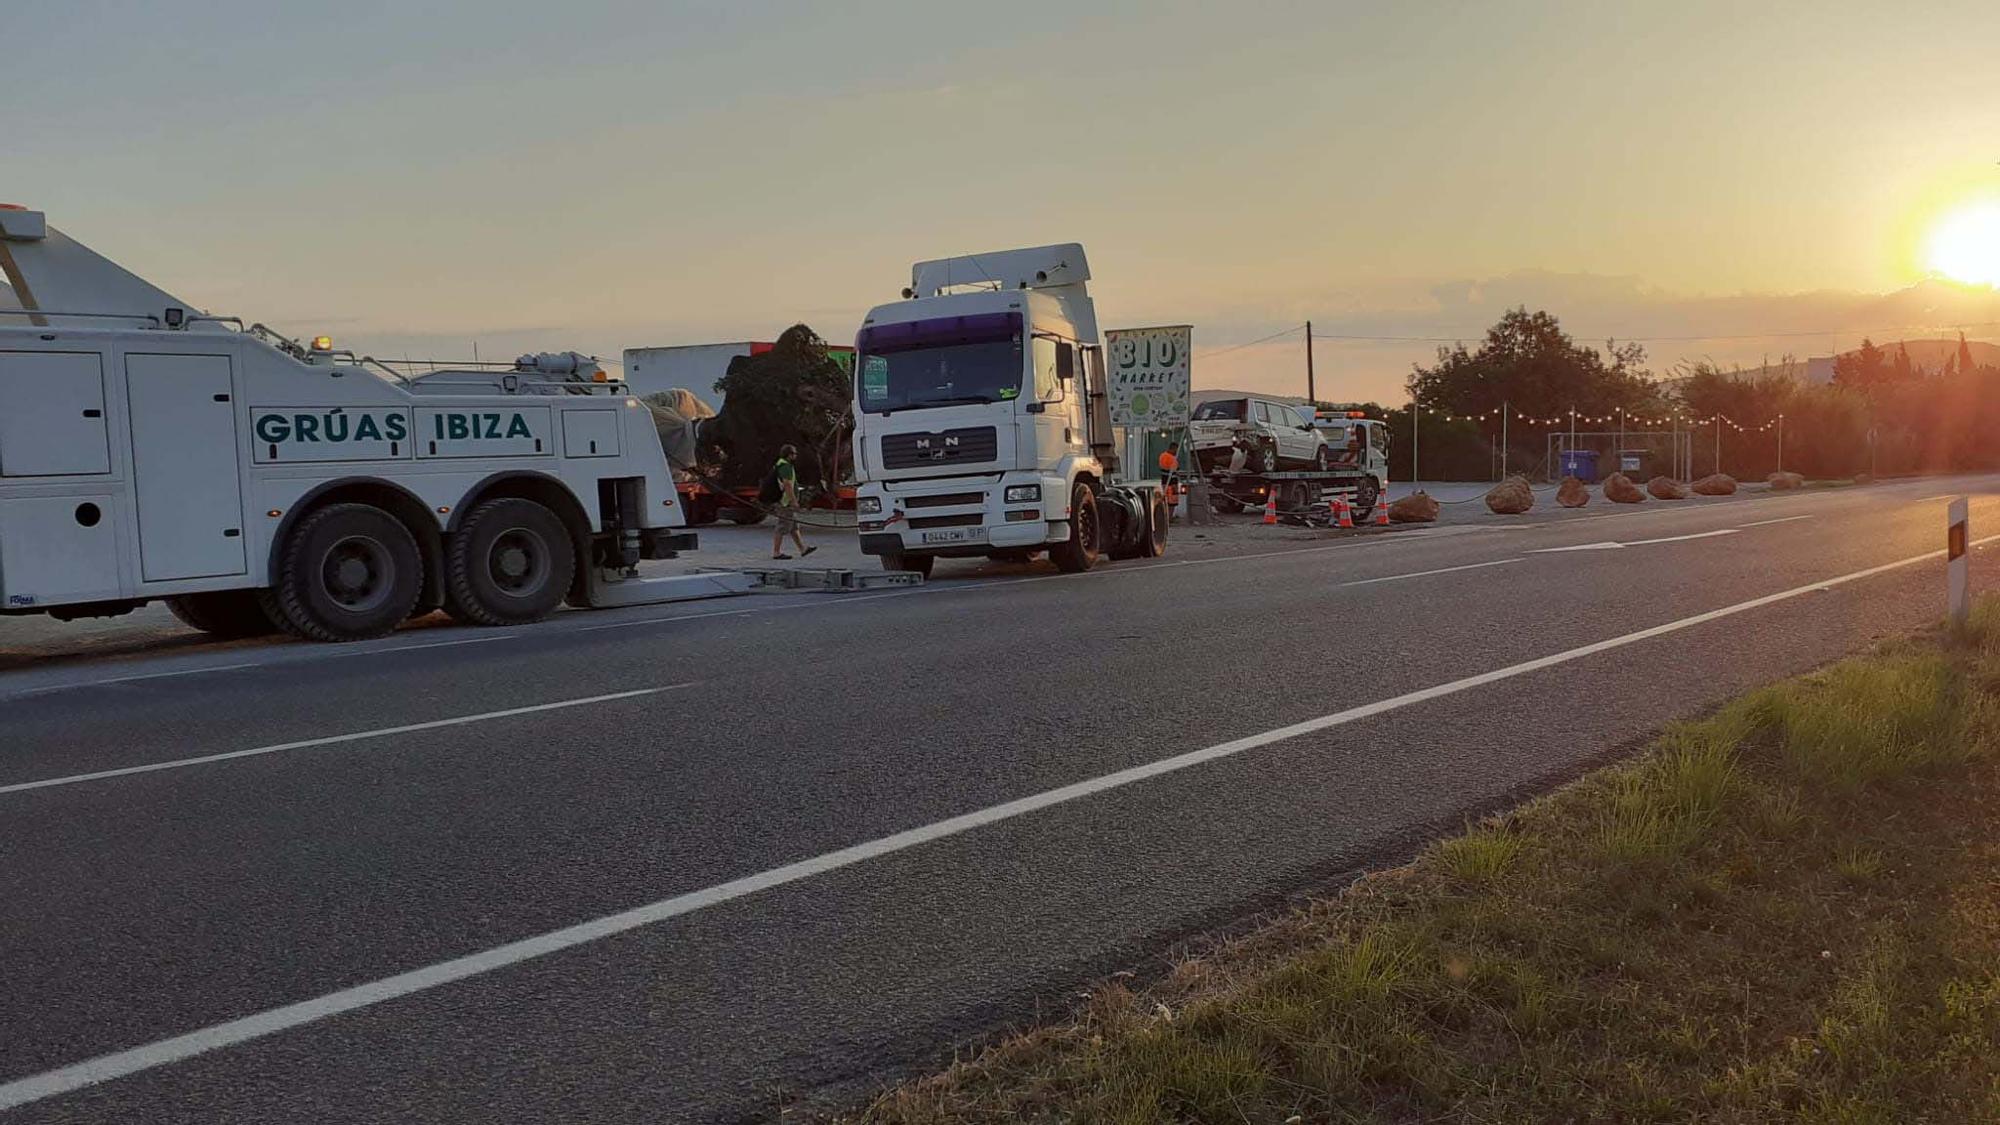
[{"x": 787, "y": 508}]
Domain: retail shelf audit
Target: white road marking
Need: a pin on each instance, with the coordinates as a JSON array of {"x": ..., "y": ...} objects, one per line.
[
  {"x": 431, "y": 644},
  {"x": 1928, "y": 499},
  {"x": 156, "y": 676},
  {"x": 1787, "y": 519},
  {"x": 329, "y": 740},
  {"x": 280, "y": 659},
  {"x": 119, "y": 1064},
  {"x": 1611, "y": 546},
  {"x": 1680, "y": 538},
  {"x": 1427, "y": 573}
]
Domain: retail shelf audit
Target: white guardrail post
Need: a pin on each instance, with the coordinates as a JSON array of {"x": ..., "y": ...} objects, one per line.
[{"x": 1956, "y": 564}]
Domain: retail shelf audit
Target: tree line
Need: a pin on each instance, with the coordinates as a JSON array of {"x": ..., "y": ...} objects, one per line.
[{"x": 1881, "y": 413}]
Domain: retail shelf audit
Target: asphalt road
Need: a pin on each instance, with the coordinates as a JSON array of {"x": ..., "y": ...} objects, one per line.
[{"x": 830, "y": 836}]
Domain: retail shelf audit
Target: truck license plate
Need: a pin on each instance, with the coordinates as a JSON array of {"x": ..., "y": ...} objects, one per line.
[{"x": 950, "y": 535}]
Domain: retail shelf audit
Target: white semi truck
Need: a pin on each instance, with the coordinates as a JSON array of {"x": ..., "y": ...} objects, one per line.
[
  {"x": 149, "y": 451},
  {"x": 983, "y": 423}
]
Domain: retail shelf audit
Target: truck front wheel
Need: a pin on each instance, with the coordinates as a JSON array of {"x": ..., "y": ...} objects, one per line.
[
  {"x": 1079, "y": 552},
  {"x": 1364, "y": 499},
  {"x": 510, "y": 563},
  {"x": 346, "y": 573},
  {"x": 1153, "y": 542}
]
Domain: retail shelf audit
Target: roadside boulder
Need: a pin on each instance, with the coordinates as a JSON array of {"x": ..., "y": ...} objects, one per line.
[
  {"x": 1716, "y": 484},
  {"x": 1511, "y": 497},
  {"x": 1572, "y": 493},
  {"x": 1417, "y": 507},
  {"x": 1619, "y": 489},
  {"x": 1667, "y": 488},
  {"x": 1786, "y": 480}
]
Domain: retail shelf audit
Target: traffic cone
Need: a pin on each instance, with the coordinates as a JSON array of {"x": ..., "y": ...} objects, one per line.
[
  {"x": 1270, "y": 509},
  {"x": 1381, "y": 509},
  {"x": 1346, "y": 515}
]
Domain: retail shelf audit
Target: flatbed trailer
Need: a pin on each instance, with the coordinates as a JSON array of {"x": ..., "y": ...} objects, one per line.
[{"x": 1298, "y": 492}]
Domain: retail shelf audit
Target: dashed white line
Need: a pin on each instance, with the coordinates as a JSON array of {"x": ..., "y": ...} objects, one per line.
[
  {"x": 1611, "y": 545},
  {"x": 329, "y": 740},
  {"x": 1428, "y": 573},
  {"x": 157, "y": 676},
  {"x": 119, "y": 1064}
]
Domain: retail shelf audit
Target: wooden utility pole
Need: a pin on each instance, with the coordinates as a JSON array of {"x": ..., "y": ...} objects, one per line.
[{"x": 1311, "y": 395}]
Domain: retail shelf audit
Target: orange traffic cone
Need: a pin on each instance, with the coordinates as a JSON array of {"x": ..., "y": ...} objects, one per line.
[
  {"x": 1270, "y": 509},
  {"x": 1346, "y": 515},
  {"x": 1381, "y": 509}
]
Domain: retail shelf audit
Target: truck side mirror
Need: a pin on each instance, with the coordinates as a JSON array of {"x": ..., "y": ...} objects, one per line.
[{"x": 1065, "y": 360}]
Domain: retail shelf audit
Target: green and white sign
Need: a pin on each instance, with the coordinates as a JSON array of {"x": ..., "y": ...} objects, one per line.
[{"x": 1150, "y": 372}]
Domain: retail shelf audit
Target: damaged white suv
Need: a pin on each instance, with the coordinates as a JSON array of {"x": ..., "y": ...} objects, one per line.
[{"x": 1260, "y": 435}]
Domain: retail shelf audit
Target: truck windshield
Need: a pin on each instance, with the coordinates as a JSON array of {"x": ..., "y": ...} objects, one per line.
[
  {"x": 1222, "y": 410},
  {"x": 944, "y": 362}
]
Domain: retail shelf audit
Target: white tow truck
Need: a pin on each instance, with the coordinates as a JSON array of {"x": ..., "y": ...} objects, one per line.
[
  {"x": 150, "y": 451},
  {"x": 983, "y": 423}
]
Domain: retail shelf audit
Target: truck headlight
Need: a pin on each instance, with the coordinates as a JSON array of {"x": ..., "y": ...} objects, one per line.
[
  {"x": 1021, "y": 493},
  {"x": 868, "y": 506}
]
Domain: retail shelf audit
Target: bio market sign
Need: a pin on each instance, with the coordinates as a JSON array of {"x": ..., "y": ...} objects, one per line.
[{"x": 1150, "y": 375}]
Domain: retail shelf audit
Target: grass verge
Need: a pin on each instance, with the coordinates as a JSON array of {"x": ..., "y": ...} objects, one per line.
[{"x": 1789, "y": 910}]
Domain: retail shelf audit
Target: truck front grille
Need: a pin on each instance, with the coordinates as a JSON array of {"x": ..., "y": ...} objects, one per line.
[
  {"x": 948, "y": 500},
  {"x": 969, "y": 519},
  {"x": 971, "y": 446}
]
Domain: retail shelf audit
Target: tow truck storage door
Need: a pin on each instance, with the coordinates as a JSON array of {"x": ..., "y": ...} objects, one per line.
[
  {"x": 52, "y": 415},
  {"x": 184, "y": 463}
]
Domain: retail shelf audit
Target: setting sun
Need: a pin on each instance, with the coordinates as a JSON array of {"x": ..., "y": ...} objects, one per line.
[{"x": 1965, "y": 244}]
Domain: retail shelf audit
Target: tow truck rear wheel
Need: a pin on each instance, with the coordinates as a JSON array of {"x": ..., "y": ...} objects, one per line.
[
  {"x": 229, "y": 614},
  {"x": 346, "y": 573},
  {"x": 510, "y": 563},
  {"x": 1079, "y": 552}
]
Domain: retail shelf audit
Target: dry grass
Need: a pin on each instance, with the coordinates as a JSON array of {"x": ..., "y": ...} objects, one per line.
[{"x": 1788, "y": 911}]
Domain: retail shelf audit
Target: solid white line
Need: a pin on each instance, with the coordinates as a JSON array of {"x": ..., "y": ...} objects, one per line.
[
  {"x": 1928, "y": 499},
  {"x": 329, "y": 740},
  {"x": 1427, "y": 573},
  {"x": 1787, "y": 519},
  {"x": 133, "y": 1060}
]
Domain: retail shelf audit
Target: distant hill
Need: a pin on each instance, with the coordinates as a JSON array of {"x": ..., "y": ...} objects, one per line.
[
  {"x": 1932, "y": 355},
  {"x": 1926, "y": 355}
]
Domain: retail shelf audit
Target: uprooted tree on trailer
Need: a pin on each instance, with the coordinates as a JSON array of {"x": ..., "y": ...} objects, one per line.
[{"x": 795, "y": 393}]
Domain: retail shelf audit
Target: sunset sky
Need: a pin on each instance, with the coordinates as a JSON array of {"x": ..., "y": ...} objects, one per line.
[{"x": 412, "y": 178}]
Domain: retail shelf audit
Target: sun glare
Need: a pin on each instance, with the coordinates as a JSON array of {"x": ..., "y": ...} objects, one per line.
[{"x": 1965, "y": 244}]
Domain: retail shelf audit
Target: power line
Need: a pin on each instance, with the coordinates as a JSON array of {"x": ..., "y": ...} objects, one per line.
[{"x": 1254, "y": 343}]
